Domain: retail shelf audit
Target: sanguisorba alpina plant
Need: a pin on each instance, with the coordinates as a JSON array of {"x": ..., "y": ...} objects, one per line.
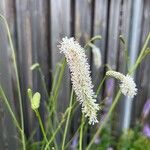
[
  {"x": 127, "y": 85},
  {"x": 80, "y": 77}
]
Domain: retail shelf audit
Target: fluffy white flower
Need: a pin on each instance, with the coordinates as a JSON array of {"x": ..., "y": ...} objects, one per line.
[
  {"x": 127, "y": 85},
  {"x": 80, "y": 77}
]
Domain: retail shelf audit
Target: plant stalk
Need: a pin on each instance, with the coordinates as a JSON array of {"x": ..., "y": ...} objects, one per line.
[
  {"x": 17, "y": 79},
  {"x": 67, "y": 122}
]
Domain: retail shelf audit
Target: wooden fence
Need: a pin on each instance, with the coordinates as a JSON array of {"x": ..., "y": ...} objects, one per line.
[{"x": 37, "y": 26}]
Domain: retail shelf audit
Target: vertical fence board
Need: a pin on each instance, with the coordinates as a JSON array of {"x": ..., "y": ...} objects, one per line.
[
  {"x": 40, "y": 50},
  {"x": 100, "y": 28},
  {"x": 143, "y": 74},
  {"x": 43, "y": 38},
  {"x": 60, "y": 27},
  {"x": 24, "y": 54},
  {"x": 112, "y": 37},
  {"x": 123, "y": 31},
  {"x": 113, "y": 33},
  {"x": 83, "y": 20},
  {"x": 134, "y": 41},
  {"x": 112, "y": 50},
  {"x": 7, "y": 136}
]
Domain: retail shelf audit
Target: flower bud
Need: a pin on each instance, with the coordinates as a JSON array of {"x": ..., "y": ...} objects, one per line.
[{"x": 35, "y": 101}]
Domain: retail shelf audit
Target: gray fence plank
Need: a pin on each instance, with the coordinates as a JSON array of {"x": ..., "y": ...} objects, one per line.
[
  {"x": 60, "y": 27},
  {"x": 83, "y": 20},
  {"x": 143, "y": 74},
  {"x": 9, "y": 133},
  {"x": 112, "y": 41},
  {"x": 112, "y": 38},
  {"x": 134, "y": 43},
  {"x": 113, "y": 33},
  {"x": 24, "y": 54},
  {"x": 123, "y": 31},
  {"x": 100, "y": 28},
  {"x": 112, "y": 49}
]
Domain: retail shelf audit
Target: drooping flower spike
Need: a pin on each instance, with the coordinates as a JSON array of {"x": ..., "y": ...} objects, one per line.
[
  {"x": 127, "y": 85},
  {"x": 80, "y": 77}
]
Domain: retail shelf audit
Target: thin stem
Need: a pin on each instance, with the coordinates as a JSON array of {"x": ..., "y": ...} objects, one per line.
[
  {"x": 41, "y": 125},
  {"x": 55, "y": 132},
  {"x": 17, "y": 80},
  {"x": 59, "y": 126},
  {"x": 60, "y": 79},
  {"x": 67, "y": 122},
  {"x": 124, "y": 43},
  {"x": 49, "y": 128},
  {"x": 138, "y": 61},
  {"x": 105, "y": 120},
  {"x": 54, "y": 81},
  {"x": 53, "y": 98},
  {"x": 43, "y": 82},
  {"x": 2, "y": 94},
  {"x": 100, "y": 85},
  {"x": 75, "y": 134},
  {"x": 81, "y": 133},
  {"x": 56, "y": 90},
  {"x": 97, "y": 37}
]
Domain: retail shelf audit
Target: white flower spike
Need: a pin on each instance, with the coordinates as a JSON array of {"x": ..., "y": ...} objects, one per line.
[
  {"x": 80, "y": 77},
  {"x": 127, "y": 85}
]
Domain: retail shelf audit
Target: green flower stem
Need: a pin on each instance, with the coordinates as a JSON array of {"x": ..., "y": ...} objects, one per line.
[
  {"x": 2, "y": 94},
  {"x": 55, "y": 132},
  {"x": 67, "y": 122},
  {"x": 55, "y": 90},
  {"x": 105, "y": 120},
  {"x": 76, "y": 132},
  {"x": 43, "y": 81},
  {"x": 97, "y": 37},
  {"x": 41, "y": 125},
  {"x": 50, "y": 105},
  {"x": 139, "y": 59},
  {"x": 100, "y": 85},
  {"x": 17, "y": 79},
  {"x": 59, "y": 80},
  {"x": 59, "y": 125},
  {"x": 51, "y": 129},
  {"x": 53, "y": 99},
  {"x": 81, "y": 133},
  {"x": 83, "y": 121}
]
